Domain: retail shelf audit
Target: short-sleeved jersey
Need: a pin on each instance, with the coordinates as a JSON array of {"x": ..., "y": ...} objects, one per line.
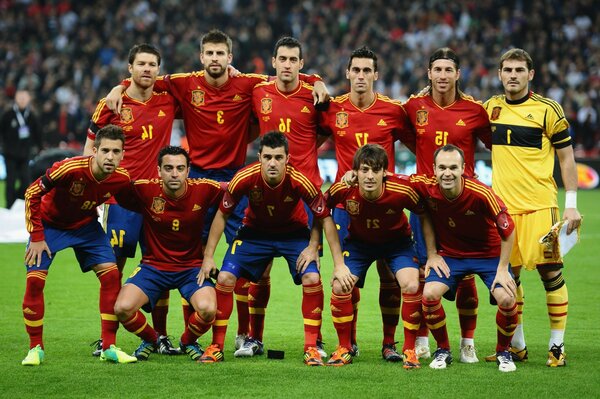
[
  {"x": 381, "y": 220},
  {"x": 67, "y": 195},
  {"x": 525, "y": 135},
  {"x": 383, "y": 122},
  {"x": 147, "y": 127},
  {"x": 172, "y": 227},
  {"x": 277, "y": 209},
  {"x": 459, "y": 123},
  {"x": 294, "y": 115},
  {"x": 467, "y": 226}
]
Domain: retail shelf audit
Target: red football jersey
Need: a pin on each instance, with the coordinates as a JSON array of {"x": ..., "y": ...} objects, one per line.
[
  {"x": 172, "y": 227},
  {"x": 467, "y": 226},
  {"x": 294, "y": 115},
  {"x": 384, "y": 122},
  {"x": 147, "y": 127},
  {"x": 66, "y": 197},
  {"x": 460, "y": 123},
  {"x": 274, "y": 209},
  {"x": 381, "y": 220}
]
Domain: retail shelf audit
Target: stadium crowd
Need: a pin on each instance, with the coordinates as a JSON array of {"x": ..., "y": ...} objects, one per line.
[{"x": 70, "y": 53}]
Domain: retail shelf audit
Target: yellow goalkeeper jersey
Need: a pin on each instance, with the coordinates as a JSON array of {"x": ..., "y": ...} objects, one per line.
[{"x": 525, "y": 134}]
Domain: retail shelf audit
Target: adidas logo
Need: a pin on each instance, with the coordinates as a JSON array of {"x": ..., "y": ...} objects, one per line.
[
  {"x": 288, "y": 199},
  {"x": 381, "y": 123},
  {"x": 250, "y": 297},
  {"x": 529, "y": 116},
  {"x": 237, "y": 97},
  {"x": 107, "y": 195},
  {"x": 460, "y": 123},
  {"x": 334, "y": 309},
  {"x": 246, "y": 285},
  {"x": 415, "y": 315},
  {"x": 28, "y": 311},
  {"x": 161, "y": 113},
  {"x": 390, "y": 212},
  {"x": 469, "y": 213},
  {"x": 305, "y": 110},
  {"x": 317, "y": 311},
  {"x": 196, "y": 208}
]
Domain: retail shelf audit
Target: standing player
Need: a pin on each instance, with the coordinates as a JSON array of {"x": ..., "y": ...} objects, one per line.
[
  {"x": 353, "y": 120},
  {"x": 275, "y": 224},
  {"x": 285, "y": 105},
  {"x": 443, "y": 116},
  {"x": 474, "y": 234},
  {"x": 378, "y": 229},
  {"x": 60, "y": 212},
  {"x": 173, "y": 209},
  {"x": 528, "y": 130},
  {"x": 147, "y": 120},
  {"x": 217, "y": 112}
]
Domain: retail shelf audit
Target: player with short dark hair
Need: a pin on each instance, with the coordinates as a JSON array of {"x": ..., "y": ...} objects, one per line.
[
  {"x": 445, "y": 115},
  {"x": 60, "y": 212},
  {"x": 354, "y": 119},
  {"x": 378, "y": 229},
  {"x": 275, "y": 224},
  {"x": 467, "y": 230},
  {"x": 529, "y": 131},
  {"x": 147, "y": 120},
  {"x": 173, "y": 208}
]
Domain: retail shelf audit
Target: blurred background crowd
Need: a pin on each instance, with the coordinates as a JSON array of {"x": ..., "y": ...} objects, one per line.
[{"x": 68, "y": 54}]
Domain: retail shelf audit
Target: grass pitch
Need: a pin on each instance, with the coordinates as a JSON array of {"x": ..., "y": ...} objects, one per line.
[{"x": 72, "y": 322}]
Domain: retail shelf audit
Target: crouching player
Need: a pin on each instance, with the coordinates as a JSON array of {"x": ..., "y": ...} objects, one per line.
[
  {"x": 173, "y": 209},
  {"x": 60, "y": 212},
  {"x": 474, "y": 235},
  {"x": 378, "y": 229},
  {"x": 275, "y": 224}
]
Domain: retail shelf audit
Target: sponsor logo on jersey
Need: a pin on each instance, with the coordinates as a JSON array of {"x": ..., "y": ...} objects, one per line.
[
  {"x": 495, "y": 113},
  {"x": 158, "y": 205},
  {"x": 266, "y": 105},
  {"x": 461, "y": 123},
  {"x": 107, "y": 195},
  {"x": 305, "y": 110},
  {"x": 161, "y": 113},
  {"x": 237, "y": 97},
  {"x": 469, "y": 213},
  {"x": 352, "y": 207},
  {"x": 196, "y": 208},
  {"x": 390, "y": 212},
  {"x": 197, "y": 97},
  {"x": 126, "y": 115},
  {"x": 288, "y": 199},
  {"x": 341, "y": 120},
  {"x": 77, "y": 188},
  {"x": 255, "y": 195},
  {"x": 381, "y": 123},
  {"x": 529, "y": 116},
  {"x": 422, "y": 117}
]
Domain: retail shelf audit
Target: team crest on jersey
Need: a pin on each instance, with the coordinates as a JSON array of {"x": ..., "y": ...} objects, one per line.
[
  {"x": 126, "y": 115},
  {"x": 352, "y": 207},
  {"x": 197, "y": 97},
  {"x": 266, "y": 105},
  {"x": 341, "y": 120},
  {"x": 77, "y": 188},
  {"x": 422, "y": 117},
  {"x": 255, "y": 195},
  {"x": 158, "y": 205},
  {"x": 495, "y": 113}
]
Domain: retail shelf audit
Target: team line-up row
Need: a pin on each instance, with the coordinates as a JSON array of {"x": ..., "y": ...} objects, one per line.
[{"x": 460, "y": 226}]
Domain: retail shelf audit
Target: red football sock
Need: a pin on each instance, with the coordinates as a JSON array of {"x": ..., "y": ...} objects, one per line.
[
  {"x": 196, "y": 327},
  {"x": 258, "y": 298},
  {"x": 433, "y": 312},
  {"x": 159, "y": 314},
  {"x": 467, "y": 303},
  {"x": 342, "y": 315},
  {"x": 355, "y": 301},
  {"x": 188, "y": 311},
  {"x": 423, "y": 330},
  {"x": 110, "y": 285},
  {"x": 241, "y": 301},
  {"x": 312, "y": 312},
  {"x": 138, "y": 325},
  {"x": 506, "y": 323},
  {"x": 389, "y": 303},
  {"x": 411, "y": 319},
  {"x": 33, "y": 307},
  {"x": 224, "y": 309}
]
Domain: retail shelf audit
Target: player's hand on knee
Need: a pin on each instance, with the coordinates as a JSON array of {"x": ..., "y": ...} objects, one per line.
[
  {"x": 308, "y": 255},
  {"x": 33, "y": 255},
  {"x": 438, "y": 264},
  {"x": 506, "y": 282},
  {"x": 208, "y": 268},
  {"x": 344, "y": 277}
]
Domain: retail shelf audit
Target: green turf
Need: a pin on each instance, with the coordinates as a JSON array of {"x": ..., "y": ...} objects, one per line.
[{"x": 72, "y": 323}]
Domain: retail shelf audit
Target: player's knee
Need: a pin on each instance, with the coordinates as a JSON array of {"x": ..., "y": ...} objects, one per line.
[
  {"x": 226, "y": 278},
  {"x": 124, "y": 310},
  {"x": 337, "y": 289},
  {"x": 207, "y": 309},
  {"x": 430, "y": 294},
  {"x": 503, "y": 299},
  {"x": 311, "y": 278},
  {"x": 409, "y": 287}
]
